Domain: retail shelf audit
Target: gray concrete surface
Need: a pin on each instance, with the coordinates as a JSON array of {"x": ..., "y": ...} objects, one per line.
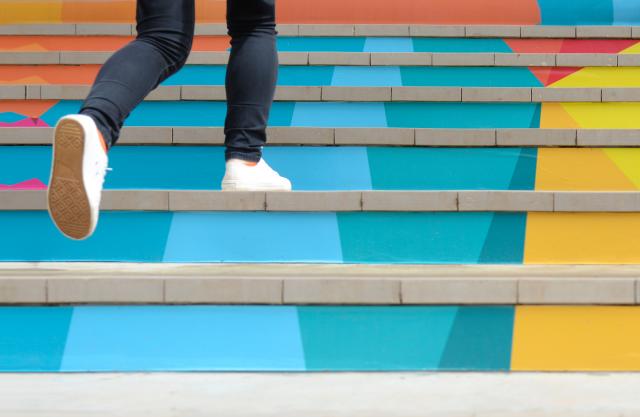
[
  {"x": 130, "y": 283},
  {"x": 320, "y": 395}
]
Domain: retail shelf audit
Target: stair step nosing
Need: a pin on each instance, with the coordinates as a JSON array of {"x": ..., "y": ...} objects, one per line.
[
  {"x": 421, "y": 137},
  {"x": 346, "y": 201},
  {"x": 311, "y": 285},
  {"x": 347, "y": 30},
  {"x": 439, "y": 59},
  {"x": 351, "y": 94}
]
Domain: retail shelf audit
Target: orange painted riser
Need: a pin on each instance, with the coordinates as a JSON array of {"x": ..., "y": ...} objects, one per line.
[
  {"x": 95, "y": 43},
  {"x": 291, "y": 11}
]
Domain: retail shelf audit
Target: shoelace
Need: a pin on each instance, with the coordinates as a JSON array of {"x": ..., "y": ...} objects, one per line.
[{"x": 101, "y": 173}]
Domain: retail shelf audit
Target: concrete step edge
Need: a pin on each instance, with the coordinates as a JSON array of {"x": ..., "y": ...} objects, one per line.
[
  {"x": 95, "y": 283},
  {"x": 351, "y": 94},
  {"x": 482, "y": 59},
  {"x": 157, "y": 135},
  {"x": 346, "y": 30},
  {"x": 345, "y": 201}
]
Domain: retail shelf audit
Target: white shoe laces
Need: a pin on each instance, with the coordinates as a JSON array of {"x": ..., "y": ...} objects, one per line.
[{"x": 101, "y": 172}]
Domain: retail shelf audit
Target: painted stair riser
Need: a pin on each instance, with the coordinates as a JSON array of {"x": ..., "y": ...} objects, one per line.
[
  {"x": 363, "y": 59},
  {"x": 307, "y": 114},
  {"x": 353, "y": 168},
  {"x": 352, "y": 94},
  {"x": 529, "y": 12},
  {"x": 357, "y": 237},
  {"x": 339, "y": 44},
  {"x": 253, "y": 338},
  {"x": 353, "y": 76},
  {"x": 357, "y": 76},
  {"x": 41, "y": 113},
  {"x": 310, "y": 168}
]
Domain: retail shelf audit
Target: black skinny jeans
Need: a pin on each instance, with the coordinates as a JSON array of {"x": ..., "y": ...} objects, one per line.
[{"x": 165, "y": 36}]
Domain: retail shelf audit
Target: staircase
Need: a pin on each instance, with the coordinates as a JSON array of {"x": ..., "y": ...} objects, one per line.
[{"x": 465, "y": 196}]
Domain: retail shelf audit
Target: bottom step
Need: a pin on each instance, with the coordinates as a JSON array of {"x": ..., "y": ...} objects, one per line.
[
  {"x": 321, "y": 395},
  {"x": 321, "y": 338}
]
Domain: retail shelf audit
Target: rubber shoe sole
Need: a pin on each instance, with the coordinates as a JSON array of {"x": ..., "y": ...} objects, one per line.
[{"x": 67, "y": 196}]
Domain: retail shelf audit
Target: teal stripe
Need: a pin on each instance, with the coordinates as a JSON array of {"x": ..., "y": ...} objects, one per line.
[
  {"x": 463, "y": 115},
  {"x": 254, "y": 338},
  {"x": 33, "y": 339},
  {"x": 469, "y": 77},
  {"x": 332, "y": 114},
  {"x": 480, "y": 340},
  {"x": 357, "y": 237},
  {"x": 287, "y": 75},
  {"x": 121, "y": 236},
  {"x": 374, "y": 338},
  {"x": 577, "y": 12},
  {"x": 397, "y": 237},
  {"x": 450, "y": 169},
  {"x": 524, "y": 173},
  {"x": 10, "y": 117},
  {"x": 309, "y": 168},
  {"x": 505, "y": 239},
  {"x": 354, "y": 76}
]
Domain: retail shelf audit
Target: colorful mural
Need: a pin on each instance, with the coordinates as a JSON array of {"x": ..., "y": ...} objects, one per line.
[
  {"x": 362, "y": 237},
  {"x": 520, "y": 12},
  {"x": 287, "y": 338}
]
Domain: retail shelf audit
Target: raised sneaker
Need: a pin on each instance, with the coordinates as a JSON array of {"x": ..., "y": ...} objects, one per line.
[
  {"x": 78, "y": 168},
  {"x": 247, "y": 176}
]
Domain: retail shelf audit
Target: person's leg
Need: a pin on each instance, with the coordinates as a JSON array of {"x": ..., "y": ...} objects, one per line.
[
  {"x": 251, "y": 77},
  {"x": 165, "y": 36},
  {"x": 81, "y": 141},
  {"x": 252, "y": 74}
]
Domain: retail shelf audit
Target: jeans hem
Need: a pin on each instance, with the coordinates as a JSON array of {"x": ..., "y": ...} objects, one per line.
[{"x": 244, "y": 156}]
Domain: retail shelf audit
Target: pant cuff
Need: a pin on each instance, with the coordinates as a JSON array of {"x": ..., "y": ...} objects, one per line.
[{"x": 244, "y": 156}]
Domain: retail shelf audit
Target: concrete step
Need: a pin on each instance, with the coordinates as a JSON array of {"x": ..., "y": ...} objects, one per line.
[
  {"x": 346, "y": 201},
  {"x": 353, "y": 94},
  {"x": 317, "y": 284},
  {"x": 321, "y": 394},
  {"x": 158, "y": 135},
  {"x": 438, "y": 59},
  {"x": 416, "y": 30}
]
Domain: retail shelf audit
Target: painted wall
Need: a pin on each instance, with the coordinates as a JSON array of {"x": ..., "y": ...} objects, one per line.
[
  {"x": 287, "y": 338},
  {"x": 521, "y": 12}
]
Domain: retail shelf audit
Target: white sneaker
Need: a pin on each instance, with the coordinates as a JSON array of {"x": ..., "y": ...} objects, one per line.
[
  {"x": 77, "y": 174},
  {"x": 242, "y": 176}
]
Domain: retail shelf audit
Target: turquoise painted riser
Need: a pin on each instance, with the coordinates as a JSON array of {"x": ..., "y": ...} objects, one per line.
[
  {"x": 253, "y": 338},
  {"x": 365, "y": 237},
  {"x": 310, "y": 168}
]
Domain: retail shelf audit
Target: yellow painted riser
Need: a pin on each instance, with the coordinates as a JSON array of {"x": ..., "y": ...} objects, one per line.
[{"x": 576, "y": 339}]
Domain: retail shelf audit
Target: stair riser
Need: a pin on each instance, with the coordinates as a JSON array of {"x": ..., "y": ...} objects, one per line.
[
  {"x": 242, "y": 338},
  {"x": 356, "y": 237},
  {"x": 351, "y": 114}
]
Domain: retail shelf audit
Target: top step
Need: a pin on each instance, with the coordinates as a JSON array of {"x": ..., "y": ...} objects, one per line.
[
  {"x": 463, "y": 12},
  {"x": 348, "y": 29}
]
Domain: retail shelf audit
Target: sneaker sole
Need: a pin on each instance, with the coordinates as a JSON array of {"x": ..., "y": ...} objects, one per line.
[{"x": 67, "y": 196}]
